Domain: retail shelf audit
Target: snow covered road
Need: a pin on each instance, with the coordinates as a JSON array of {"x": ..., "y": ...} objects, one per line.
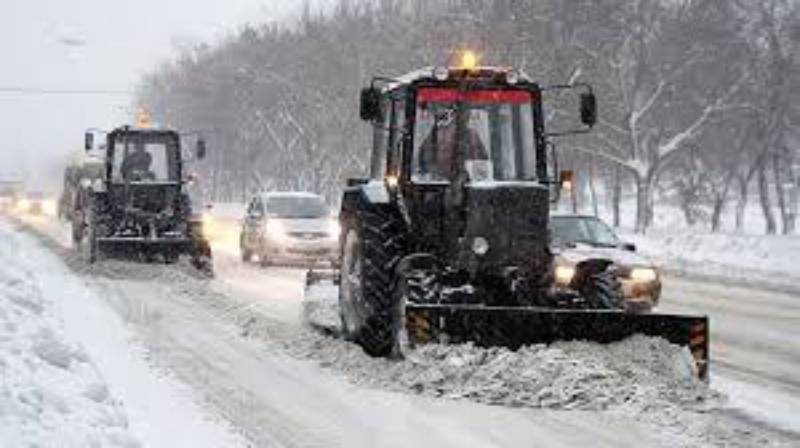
[
  {"x": 238, "y": 342},
  {"x": 755, "y": 348}
]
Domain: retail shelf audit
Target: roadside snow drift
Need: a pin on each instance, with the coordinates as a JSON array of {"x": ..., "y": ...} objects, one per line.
[
  {"x": 51, "y": 393},
  {"x": 72, "y": 375}
]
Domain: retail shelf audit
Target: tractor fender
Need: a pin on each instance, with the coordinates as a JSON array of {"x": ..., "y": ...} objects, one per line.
[{"x": 362, "y": 195}]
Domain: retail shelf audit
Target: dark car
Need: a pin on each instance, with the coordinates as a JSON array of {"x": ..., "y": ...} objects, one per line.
[{"x": 580, "y": 237}]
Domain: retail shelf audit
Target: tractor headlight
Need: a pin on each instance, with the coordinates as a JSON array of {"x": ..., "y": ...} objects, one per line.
[
  {"x": 480, "y": 246},
  {"x": 564, "y": 274},
  {"x": 512, "y": 77},
  {"x": 98, "y": 185},
  {"x": 643, "y": 275},
  {"x": 275, "y": 230},
  {"x": 441, "y": 73}
]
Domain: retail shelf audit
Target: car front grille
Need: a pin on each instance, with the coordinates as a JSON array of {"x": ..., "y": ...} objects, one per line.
[{"x": 308, "y": 235}]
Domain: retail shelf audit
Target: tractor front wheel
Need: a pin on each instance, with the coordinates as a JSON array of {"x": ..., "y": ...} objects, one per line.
[
  {"x": 602, "y": 290},
  {"x": 372, "y": 247}
]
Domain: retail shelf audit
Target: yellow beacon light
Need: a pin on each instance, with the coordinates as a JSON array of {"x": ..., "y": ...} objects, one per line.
[
  {"x": 469, "y": 60},
  {"x": 142, "y": 119}
]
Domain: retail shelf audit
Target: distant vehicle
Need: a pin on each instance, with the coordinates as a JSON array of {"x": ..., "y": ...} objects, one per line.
[
  {"x": 140, "y": 207},
  {"x": 36, "y": 203},
  {"x": 10, "y": 193},
  {"x": 289, "y": 227},
  {"x": 87, "y": 170},
  {"x": 581, "y": 237}
]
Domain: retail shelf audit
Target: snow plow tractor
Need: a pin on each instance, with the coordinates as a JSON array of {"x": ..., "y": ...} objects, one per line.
[
  {"x": 447, "y": 241},
  {"x": 139, "y": 208}
]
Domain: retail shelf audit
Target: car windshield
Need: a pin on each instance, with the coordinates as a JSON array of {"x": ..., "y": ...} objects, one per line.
[
  {"x": 491, "y": 131},
  {"x": 144, "y": 159},
  {"x": 587, "y": 230},
  {"x": 297, "y": 207}
]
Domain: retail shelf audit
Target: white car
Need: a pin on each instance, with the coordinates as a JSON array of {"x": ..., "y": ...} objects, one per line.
[{"x": 289, "y": 228}]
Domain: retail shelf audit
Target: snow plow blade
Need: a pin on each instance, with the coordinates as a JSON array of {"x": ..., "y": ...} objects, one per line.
[{"x": 514, "y": 327}]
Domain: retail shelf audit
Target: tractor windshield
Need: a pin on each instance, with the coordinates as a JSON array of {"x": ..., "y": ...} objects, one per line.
[
  {"x": 487, "y": 134},
  {"x": 145, "y": 158}
]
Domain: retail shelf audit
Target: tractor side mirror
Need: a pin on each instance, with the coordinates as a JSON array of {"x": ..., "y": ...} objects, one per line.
[
  {"x": 588, "y": 109},
  {"x": 370, "y": 107},
  {"x": 566, "y": 178},
  {"x": 88, "y": 141},
  {"x": 200, "y": 149}
]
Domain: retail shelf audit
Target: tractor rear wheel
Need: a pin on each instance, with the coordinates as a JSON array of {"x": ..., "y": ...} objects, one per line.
[
  {"x": 87, "y": 236},
  {"x": 373, "y": 245}
]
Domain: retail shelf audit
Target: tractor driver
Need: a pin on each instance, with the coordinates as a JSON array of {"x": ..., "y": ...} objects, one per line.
[
  {"x": 452, "y": 132},
  {"x": 136, "y": 165}
]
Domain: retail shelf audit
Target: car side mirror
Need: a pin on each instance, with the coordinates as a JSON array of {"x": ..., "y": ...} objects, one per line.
[
  {"x": 588, "y": 109},
  {"x": 630, "y": 247},
  {"x": 88, "y": 141},
  {"x": 370, "y": 107},
  {"x": 200, "y": 149}
]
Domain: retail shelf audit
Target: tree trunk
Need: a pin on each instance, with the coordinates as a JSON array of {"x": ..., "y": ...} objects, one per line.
[
  {"x": 642, "y": 203},
  {"x": 766, "y": 205},
  {"x": 616, "y": 196},
  {"x": 779, "y": 193},
  {"x": 716, "y": 215},
  {"x": 741, "y": 204},
  {"x": 592, "y": 191}
]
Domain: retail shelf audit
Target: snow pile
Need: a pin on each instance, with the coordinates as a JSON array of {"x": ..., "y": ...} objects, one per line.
[
  {"x": 51, "y": 393},
  {"x": 635, "y": 373},
  {"x": 565, "y": 375},
  {"x": 321, "y": 306}
]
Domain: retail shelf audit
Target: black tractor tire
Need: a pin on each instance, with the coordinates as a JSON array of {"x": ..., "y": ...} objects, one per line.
[
  {"x": 202, "y": 259},
  {"x": 603, "y": 290},
  {"x": 374, "y": 243}
]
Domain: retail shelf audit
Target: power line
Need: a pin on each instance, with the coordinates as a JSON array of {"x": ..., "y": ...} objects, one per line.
[{"x": 41, "y": 91}]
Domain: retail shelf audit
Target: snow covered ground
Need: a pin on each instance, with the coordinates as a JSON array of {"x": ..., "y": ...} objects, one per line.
[
  {"x": 240, "y": 347},
  {"x": 72, "y": 375},
  {"x": 768, "y": 260}
]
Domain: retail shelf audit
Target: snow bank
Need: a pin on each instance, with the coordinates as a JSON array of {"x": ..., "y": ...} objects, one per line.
[
  {"x": 51, "y": 393},
  {"x": 755, "y": 259},
  {"x": 96, "y": 380}
]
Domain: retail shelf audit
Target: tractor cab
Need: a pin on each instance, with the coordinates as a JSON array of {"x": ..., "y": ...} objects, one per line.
[
  {"x": 465, "y": 150},
  {"x": 141, "y": 207}
]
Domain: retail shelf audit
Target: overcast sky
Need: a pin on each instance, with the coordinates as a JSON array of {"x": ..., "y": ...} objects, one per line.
[{"x": 94, "y": 45}]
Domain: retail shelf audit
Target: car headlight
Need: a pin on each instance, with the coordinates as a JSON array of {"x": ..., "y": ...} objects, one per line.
[
  {"x": 275, "y": 230},
  {"x": 49, "y": 207},
  {"x": 564, "y": 274},
  {"x": 334, "y": 229},
  {"x": 24, "y": 205},
  {"x": 643, "y": 275}
]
